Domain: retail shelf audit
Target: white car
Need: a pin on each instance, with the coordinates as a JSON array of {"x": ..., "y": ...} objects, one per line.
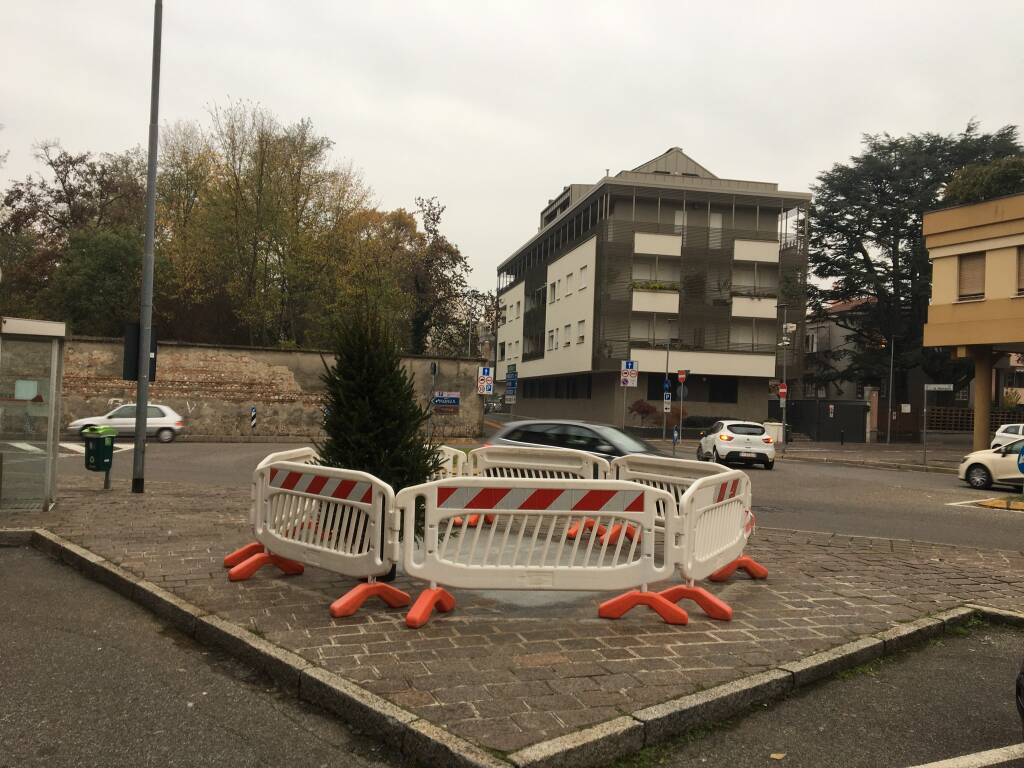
[
  {"x": 1007, "y": 433},
  {"x": 161, "y": 421},
  {"x": 993, "y": 465},
  {"x": 737, "y": 441}
]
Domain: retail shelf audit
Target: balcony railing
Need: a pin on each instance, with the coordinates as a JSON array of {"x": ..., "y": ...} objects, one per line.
[
  {"x": 713, "y": 345},
  {"x": 755, "y": 291}
]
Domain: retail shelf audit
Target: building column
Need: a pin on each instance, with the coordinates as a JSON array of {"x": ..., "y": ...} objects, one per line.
[{"x": 982, "y": 356}]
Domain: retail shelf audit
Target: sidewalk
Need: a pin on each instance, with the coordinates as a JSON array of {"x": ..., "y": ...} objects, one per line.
[{"x": 505, "y": 674}]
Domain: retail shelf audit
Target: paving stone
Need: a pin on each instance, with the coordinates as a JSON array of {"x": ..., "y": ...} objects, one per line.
[{"x": 476, "y": 669}]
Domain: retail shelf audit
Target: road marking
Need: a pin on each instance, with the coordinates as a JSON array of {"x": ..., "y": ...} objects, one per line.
[
  {"x": 73, "y": 447},
  {"x": 999, "y": 756},
  {"x": 968, "y": 503},
  {"x": 27, "y": 447}
]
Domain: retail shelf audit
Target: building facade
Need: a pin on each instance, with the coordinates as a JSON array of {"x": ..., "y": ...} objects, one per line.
[
  {"x": 666, "y": 265},
  {"x": 977, "y": 302}
]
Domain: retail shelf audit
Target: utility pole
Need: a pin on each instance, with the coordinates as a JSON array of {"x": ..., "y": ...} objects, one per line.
[
  {"x": 892, "y": 359},
  {"x": 664, "y": 413},
  {"x": 146, "y": 302},
  {"x": 785, "y": 351}
]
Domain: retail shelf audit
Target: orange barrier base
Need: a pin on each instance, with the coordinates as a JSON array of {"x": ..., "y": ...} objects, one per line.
[
  {"x": 429, "y": 599},
  {"x": 353, "y": 600},
  {"x": 753, "y": 568},
  {"x": 242, "y": 554},
  {"x": 711, "y": 605},
  {"x": 617, "y": 607},
  {"x": 474, "y": 520},
  {"x": 616, "y": 531},
  {"x": 250, "y": 565},
  {"x": 588, "y": 524}
]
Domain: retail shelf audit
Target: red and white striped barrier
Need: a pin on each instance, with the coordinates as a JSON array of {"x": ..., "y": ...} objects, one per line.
[
  {"x": 534, "y": 463},
  {"x": 337, "y": 519},
  {"x": 527, "y": 545},
  {"x": 714, "y": 506}
]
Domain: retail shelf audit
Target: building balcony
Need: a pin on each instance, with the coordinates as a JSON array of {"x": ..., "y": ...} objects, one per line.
[
  {"x": 710, "y": 345},
  {"x": 764, "y": 251},
  {"x": 755, "y": 291},
  {"x": 660, "y": 297},
  {"x": 744, "y": 306}
]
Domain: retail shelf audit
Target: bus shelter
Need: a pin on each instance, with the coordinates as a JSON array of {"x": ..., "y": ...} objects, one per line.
[{"x": 31, "y": 368}]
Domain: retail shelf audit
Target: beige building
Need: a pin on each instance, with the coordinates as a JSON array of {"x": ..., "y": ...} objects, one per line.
[{"x": 977, "y": 305}]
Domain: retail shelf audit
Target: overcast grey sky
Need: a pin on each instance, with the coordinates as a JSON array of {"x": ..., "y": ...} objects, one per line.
[{"x": 494, "y": 107}]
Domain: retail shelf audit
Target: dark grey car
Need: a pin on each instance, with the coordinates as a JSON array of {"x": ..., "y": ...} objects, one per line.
[{"x": 601, "y": 439}]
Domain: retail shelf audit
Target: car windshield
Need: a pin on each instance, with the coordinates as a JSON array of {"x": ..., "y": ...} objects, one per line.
[
  {"x": 624, "y": 441},
  {"x": 746, "y": 429}
]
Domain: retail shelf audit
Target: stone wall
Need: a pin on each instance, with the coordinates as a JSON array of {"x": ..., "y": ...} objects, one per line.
[{"x": 214, "y": 387}]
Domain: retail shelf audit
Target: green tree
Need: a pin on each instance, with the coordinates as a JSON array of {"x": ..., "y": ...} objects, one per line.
[
  {"x": 97, "y": 289},
  {"x": 866, "y": 243},
  {"x": 373, "y": 422},
  {"x": 982, "y": 181}
]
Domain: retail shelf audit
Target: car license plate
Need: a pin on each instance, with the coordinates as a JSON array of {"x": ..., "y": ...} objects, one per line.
[{"x": 746, "y": 455}]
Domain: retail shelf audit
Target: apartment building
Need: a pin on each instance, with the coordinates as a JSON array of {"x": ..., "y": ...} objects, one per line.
[
  {"x": 977, "y": 302},
  {"x": 667, "y": 265}
]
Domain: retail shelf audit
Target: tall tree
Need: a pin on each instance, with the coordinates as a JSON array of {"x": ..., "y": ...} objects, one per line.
[
  {"x": 983, "y": 181},
  {"x": 866, "y": 243}
]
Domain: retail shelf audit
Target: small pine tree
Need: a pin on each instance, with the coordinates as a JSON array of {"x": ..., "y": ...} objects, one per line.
[{"x": 372, "y": 420}]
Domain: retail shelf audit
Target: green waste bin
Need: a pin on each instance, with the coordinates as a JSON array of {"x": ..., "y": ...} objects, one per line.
[{"x": 99, "y": 448}]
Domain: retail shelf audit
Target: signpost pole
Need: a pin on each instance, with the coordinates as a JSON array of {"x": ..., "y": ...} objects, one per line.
[{"x": 924, "y": 430}]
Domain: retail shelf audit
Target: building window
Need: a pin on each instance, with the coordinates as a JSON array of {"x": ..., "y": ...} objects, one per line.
[
  {"x": 568, "y": 283},
  {"x": 580, "y": 328},
  {"x": 811, "y": 342},
  {"x": 1020, "y": 271},
  {"x": 715, "y": 221},
  {"x": 567, "y": 335},
  {"x": 551, "y": 340},
  {"x": 723, "y": 389},
  {"x": 583, "y": 278},
  {"x": 517, "y": 349},
  {"x": 680, "y": 220},
  {"x": 501, "y": 350},
  {"x": 971, "y": 276},
  {"x": 518, "y": 314},
  {"x": 551, "y": 293},
  {"x": 558, "y": 290}
]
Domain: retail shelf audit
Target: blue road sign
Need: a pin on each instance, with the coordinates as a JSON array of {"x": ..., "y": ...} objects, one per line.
[
  {"x": 668, "y": 385},
  {"x": 1020, "y": 460}
]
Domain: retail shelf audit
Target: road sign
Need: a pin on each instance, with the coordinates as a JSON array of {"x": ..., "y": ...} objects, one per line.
[
  {"x": 938, "y": 387},
  {"x": 485, "y": 380},
  {"x": 668, "y": 386},
  {"x": 511, "y": 367},
  {"x": 831, "y": 411},
  {"x": 667, "y": 402},
  {"x": 446, "y": 402},
  {"x": 252, "y": 417},
  {"x": 628, "y": 374},
  {"x": 682, "y": 377},
  {"x": 783, "y": 390}
]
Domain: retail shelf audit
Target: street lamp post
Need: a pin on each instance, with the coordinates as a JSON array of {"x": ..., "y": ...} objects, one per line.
[
  {"x": 892, "y": 359},
  {"x": 146, "y": 300},
  {"x": 784, "y": 344}
]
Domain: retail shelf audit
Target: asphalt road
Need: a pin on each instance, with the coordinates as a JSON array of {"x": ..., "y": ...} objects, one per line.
[
  {"x": 952, "y": 698},
  {"x": 90, "y": 679},
  {"x": 801, "y": 495}
]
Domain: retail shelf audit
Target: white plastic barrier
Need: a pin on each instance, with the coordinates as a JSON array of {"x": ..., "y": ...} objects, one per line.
[
  {"x": 453, "y": 462},
  {"x": 535, "y": 463},
  {"x": 528, "y": 547},
  {"x": 669, "y": 474},
  {"x": 337, "y": 519}
]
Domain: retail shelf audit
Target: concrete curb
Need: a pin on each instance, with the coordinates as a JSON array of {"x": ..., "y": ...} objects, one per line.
[
  {"x": 892, "y": 465},
  {"x": 427, "y": 744}
]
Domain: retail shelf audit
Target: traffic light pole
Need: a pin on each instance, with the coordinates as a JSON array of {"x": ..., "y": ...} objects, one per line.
[{"x": 146, "y": 300}]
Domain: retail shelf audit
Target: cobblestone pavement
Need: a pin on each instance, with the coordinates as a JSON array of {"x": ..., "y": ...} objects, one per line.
[{"x": 504, "y": 674}]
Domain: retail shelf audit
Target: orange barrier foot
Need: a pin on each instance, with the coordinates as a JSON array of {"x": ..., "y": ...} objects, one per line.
[
  {"x": 588, "y": 524},
  {"x": 242, "y": 554},
  {"x": 429, "y": 599},
  {"x": 248, "y": 567},
  {"x": 711, "y": 605},
  {"x": 616, "y": 531},
  {"x": 617, "y": 607},
  {"x": 753, "y": 568},
  {"x": 353, "y": 600}
]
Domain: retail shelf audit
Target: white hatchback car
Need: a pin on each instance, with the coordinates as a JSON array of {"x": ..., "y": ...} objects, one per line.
[
  {"x": 1007, "y": 433},
  {"x": 162, "y": 422},
  {"x": 993, "y": 465},
  {"x": 737, "y": 441}
]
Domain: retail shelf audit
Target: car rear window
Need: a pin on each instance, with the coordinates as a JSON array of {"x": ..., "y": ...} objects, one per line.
[{"x": 746, "y": 429}]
